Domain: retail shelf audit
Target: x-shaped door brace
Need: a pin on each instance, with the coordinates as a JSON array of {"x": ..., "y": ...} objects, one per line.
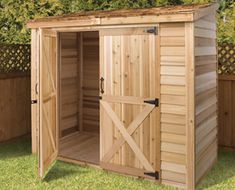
[
  {"x": 126, "y": 134},
  {"x": 47, "y": 98}
]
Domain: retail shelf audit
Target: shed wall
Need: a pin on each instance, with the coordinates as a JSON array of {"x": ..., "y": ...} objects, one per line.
[
  {"x": 173, "y": 103},
  {"x": 69, "y": 83},
  {"x": 79, "y": 82},
  {"x": 206, "y": 94}
]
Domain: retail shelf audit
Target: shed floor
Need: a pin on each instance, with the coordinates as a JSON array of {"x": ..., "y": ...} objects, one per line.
[{"x": 81, "y": 146}]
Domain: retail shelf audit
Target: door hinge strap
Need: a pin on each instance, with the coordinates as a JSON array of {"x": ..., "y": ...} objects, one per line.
[
  {"x": 154, "y": 102},
  {"x": 153, "y": 174},
  {"x": 153, "y": 30}
]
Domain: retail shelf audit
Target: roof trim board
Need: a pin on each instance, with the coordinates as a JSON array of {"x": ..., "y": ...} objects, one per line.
[{"x": 185, "y": 13}]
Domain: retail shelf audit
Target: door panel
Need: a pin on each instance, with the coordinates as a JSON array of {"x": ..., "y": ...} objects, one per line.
[
  {"x": 48, "y": 132},
  {"x": 129, "y": 126}
]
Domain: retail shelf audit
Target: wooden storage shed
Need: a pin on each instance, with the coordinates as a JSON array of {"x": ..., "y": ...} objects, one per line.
[{"x": 131, "y": 91}]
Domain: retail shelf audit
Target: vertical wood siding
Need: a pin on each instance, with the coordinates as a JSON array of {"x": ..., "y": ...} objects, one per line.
[
  {"x": 227, "y": 111},
  {"x": 206, "y": 94},
  {"x": 130, "y": 71},
  {"x": 34, "y": 88},
  {"x": 173, "y": 104},
  {"x": 15, "y": 107}
]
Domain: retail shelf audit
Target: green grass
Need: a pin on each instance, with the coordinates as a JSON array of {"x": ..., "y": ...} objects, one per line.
[{"x": 18, "y": 170}]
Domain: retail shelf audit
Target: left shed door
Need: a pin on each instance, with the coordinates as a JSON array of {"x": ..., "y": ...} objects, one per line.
[{"x": 48, "y": 132}]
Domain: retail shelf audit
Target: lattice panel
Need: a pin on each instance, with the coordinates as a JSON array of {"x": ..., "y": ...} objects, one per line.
[
  {"x": 14, "y": 58},
  {"x": 226, "y": 56}
]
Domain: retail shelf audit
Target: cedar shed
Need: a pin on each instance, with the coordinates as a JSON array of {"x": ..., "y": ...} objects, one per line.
[{"x": 131, "y": 91}]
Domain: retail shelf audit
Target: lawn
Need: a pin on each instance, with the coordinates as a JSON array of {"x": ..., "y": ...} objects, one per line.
[{"x": 18, "y": 169}]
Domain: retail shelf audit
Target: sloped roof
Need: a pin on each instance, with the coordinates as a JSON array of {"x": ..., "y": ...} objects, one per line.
[{"x": 86, "y": 15}]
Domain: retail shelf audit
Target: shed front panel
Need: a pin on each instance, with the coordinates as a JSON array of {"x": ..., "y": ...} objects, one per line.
[{"x": 129, "y": 126}]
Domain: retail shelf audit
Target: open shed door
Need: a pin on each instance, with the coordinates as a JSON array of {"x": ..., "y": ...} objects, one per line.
[
  {"x": 48, "y": 132},
  {"x": 129, "y": 93}
]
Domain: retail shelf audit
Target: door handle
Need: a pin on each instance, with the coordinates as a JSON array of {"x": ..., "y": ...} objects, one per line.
[
  {"x": 36, "y": 88},
  {"x": 102, "y": 85}
]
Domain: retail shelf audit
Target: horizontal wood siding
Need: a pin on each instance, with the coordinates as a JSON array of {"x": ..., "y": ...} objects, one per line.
[
  {"x": 90, "y": 84},
  {"x": 227, "y": 111},
  {"x": 173, "y": 104},
  {"x": 206, "y": 94},
  {"x": 15, "y": 117},
  {"x": 79, "y": 82},
  {"x": 69, "y": 83}
]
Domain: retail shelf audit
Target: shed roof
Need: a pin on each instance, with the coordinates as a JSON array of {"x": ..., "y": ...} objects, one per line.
[{"x": 96, "y": 16}]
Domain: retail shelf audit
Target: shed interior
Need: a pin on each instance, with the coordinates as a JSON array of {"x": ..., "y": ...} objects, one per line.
[{"x": 79, "y": 96}]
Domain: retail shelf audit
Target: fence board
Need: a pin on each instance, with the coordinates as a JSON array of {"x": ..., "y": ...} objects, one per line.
[
  {"x": 227, "y": 111},
  {"x": 15, "y": 105}
]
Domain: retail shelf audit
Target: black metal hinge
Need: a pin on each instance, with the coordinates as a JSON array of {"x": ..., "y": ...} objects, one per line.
[
  {"x": 152, "y": 30},
  {"x": 34, "y": 101},
  {"x": 153, "y": 174},
  {"x": 154, "y": 102}
]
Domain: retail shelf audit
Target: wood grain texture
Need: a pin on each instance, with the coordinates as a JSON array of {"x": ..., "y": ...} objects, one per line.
[
  {"x": 226, "y": 120},
  {"x": 15, "y": 108},
  {"x": 206, "y": 95},
  {"x": 182, "y": 13},
  {"x": 48, "y": 129},
  {"x": 173, "y": 102},
  {"x": 35, "y": 89},
  {"x": 69, "y": 98},
  {"x": 130, "y": 76}
]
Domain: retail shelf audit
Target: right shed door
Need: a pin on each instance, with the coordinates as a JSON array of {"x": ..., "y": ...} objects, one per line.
[{"x": 129, "y": 95}]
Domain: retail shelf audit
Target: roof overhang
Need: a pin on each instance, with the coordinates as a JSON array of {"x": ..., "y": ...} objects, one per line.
[{"x": 125, "y": 17}]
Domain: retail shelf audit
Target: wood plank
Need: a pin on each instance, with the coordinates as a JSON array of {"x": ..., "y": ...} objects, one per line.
[
  {"x": 173, "y": 90},
  {"x": 173, "y": 128},
  {"x": 173, "y": 176},
  {"x": 173, "y": 138},
  {"x": 173, "y": 148},
  {"x": 172, "y": 51},
  {"x": 190, "y": 105},
  {"x": 205, "y": 24},
  {"x": 173, "y": 99},
  {"x": 204, "y": 33},
  {"x": 172, "y": 31},
  {"x": 178, "y": 168},
  {"x": 173, "y": 109},
  {"x": 172, "y": 70},
  {"x": 173, "y": 158},
  {"x": 34, "y": 89},
  {"x": 205, "y": 69},
  {"x": 173, "y": 80},
  {"x": 172, "y": 41},
  {"x": 173, "y": 119},
  {"x": 126, "y": 136},
  {"x": 83, "y": 147},
  {"x": 130, "y": 129},
  {"x": 201, "y": 51}
]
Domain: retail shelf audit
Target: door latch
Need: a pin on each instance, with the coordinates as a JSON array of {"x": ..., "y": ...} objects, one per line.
[{"x": 34, "y": 101}]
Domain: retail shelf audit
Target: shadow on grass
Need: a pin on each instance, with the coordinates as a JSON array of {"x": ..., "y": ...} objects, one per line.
[
  {"x": 221, "y": 172},
  {"x": 18, "y": 148},
  {"x": 61, "y": 170}
]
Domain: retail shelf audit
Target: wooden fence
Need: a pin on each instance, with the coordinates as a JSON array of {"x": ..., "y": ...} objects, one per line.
[
  {"x": 226, "y": 92},
  {"x": 15, "y": 105},
  {"x": 227, "y": 111}
]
